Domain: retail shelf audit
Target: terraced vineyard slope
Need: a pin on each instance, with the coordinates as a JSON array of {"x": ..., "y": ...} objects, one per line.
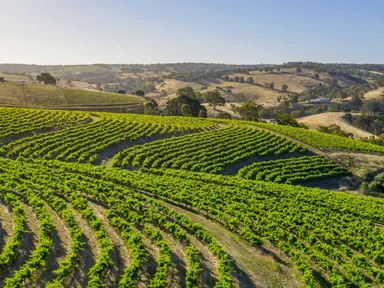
[
  {"x": 164, "y": 217},
  {"x": 17, "y": 121},
  {"x": 83, "y": 143},
  {"x": 321, "y": 140},
  {"x": 292, "y": 170},
  {"x": 213, "y": 150}
]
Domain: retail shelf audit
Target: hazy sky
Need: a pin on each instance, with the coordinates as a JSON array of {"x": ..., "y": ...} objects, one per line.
[{"x": 219, "y": 31}]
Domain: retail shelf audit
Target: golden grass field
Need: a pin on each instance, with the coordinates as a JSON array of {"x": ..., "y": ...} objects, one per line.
[
  {"x": 326, "y": 119},
  {"x": 375, "y": 94},
  {"x": 262, "y": 95}
]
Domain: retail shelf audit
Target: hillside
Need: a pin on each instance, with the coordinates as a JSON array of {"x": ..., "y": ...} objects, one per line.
[
  {"x": 39, "y": 95},
  {"x": 374, "y": 94},
  {"x": 161, "y": 81},
  {"x": 12, "y": 77},
  {"x": 123, "y": 200},
  {"x": 326, "y": 119}
]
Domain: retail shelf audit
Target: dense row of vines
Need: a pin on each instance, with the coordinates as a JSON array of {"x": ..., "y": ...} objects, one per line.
[
  {"x": 292, "y": 170},
  {"x": 206, "y": 152},
  {"x": 134, "y": 214},
  {"x": 15, "y": 121},
  {"x": 83, "y": 143},
  {"x": 332, "y": 238}
]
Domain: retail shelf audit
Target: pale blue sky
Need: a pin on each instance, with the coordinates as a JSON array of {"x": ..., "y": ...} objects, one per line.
[{"x": 215, "y": 31}]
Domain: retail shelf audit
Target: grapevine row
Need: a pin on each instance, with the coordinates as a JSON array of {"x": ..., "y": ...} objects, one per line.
[
  {"x": 206, "y": 152},
  {"x": 292, "y": 170},
  {"x": 116, "y": 197}
]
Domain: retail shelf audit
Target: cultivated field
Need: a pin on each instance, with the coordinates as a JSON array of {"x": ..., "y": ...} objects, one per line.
[
  {"x": 33, "y": 94},
  {"x": 10, "y": 77},
  {"x": 92, "y": 199},
  {"x": 77, "y": 69}
]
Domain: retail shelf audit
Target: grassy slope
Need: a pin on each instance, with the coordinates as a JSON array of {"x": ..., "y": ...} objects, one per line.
[
  {"x": 77, "y": 69},
  {"x": 262, "y": 95},
  {"x": 374, "y": 94},
  {"x": 326, "y": 119},
  {"x": 80, "y": 97},
  {"x": 296, "y": 83},
  {"x": 171, "y": 85},
  {"x": 14, "y": 77},
  {"x": 46, "y": 95},
  {"x": 253, "y": 92}
]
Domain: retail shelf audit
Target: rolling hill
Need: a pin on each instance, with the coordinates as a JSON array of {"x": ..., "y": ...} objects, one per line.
[
  {"x": 326, "y": 119},
  {"x": 123, "y": 200},
  {"x": 161, "y": 81},
  {"x": 39, "y": 95},
  {"x": 374, "y": 94}
]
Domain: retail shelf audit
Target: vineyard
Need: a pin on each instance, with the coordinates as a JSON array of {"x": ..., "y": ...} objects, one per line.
[
  {"x": 83, "y": 142},
  {"x": 164, "y": 214},
  {"x": 17, "y": 121},
  {"x": 292, "y": 171},
  {"x": 321, "y": 140},
  {"x": 213, "y": 150}
]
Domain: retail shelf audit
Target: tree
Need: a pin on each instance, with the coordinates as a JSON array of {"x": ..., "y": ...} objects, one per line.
[
  {"x": 288, "y": 120},
  {"x": 186, "y": 91},
  {"x": 150, "y": 108},
  {"x": 47, "y": 78},
  {"x": 334, "y": 82},
  {"x": 250, "y": 111},
  {"x": 184, "y": 104},
  {"x": 186, "y": 110},
  {"x": 293, "y": 98},
  {"x": 202, "y": 114},
  {"x": 139, "y": 93},
  {"x": 348, "y": 117},
  {"x": 356, "y": 102},
  {"x": 121, "y": 91},
  {"x": 316, "y": 76},
  {"x": 284, "y": 87},
  {"x": 241, "y": 79},
  {"x": 199, "y": 96},
  {"x": 236, "y": 78},
  {"x": 373, "y": 107},
  {"x": 224, "y": 115},
  {"x": 377, "y": 185},
  {"x": 226, "y": 78},
  {"x": 164, "y": 93},
  {"x": 298, "y": 70},
  {"x": 240, "y": 97},
  {"x": 343, "y": 95},
  {"x": 270, "y": 85},
  {"x": 250, "y": 80},
  {"x": 214, "y": 98},
  {"x": 334, "y": 129}
]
